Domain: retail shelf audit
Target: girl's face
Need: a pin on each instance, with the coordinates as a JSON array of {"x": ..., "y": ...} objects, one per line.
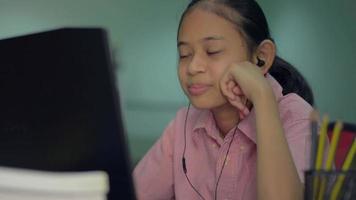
[{"x": 207, "y": 44}]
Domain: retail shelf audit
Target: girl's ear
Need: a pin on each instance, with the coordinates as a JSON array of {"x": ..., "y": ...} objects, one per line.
[{"x": 265, "y": 54}]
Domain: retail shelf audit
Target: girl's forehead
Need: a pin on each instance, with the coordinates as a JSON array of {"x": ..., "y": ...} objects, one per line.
[
  {"x": 217, "y": 9},
  {"x": 202, "y": 23}
]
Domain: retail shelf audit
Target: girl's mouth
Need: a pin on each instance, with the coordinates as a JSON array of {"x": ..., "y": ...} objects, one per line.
[{"x": 197, "y": 89}]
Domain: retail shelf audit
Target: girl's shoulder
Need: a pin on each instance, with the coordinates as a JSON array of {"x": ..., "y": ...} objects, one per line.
[{"x": 292, "y": 107}]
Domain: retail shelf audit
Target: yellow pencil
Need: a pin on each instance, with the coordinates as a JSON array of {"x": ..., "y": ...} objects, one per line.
[
  {"x": 334, "y": 142},
  {"x": 331, "y": 155},
  {"x": 320, "y": 153},
  {"x": 321, "y": 143},
  {"x": 345, "y": 167}
]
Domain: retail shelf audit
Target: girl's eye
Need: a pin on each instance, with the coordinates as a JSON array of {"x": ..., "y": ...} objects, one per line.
[
  {"x": 182, "y": 56},
  {"x": 211, "y": 53}
]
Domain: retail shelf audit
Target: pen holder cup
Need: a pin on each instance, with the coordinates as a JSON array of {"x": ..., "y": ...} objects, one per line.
[{"x": 330, "y": 185}]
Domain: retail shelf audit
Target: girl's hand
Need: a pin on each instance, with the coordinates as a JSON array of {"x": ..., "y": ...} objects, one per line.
[{"x": 242, "y": 82}]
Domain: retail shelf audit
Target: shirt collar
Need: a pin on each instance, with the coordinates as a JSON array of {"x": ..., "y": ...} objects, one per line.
[{"x": 205, "y": 119}]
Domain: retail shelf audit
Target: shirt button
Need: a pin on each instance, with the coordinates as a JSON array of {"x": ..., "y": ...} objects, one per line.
[
  {"x": 242, "y": 147},
  {"x": 214, "y": 145},
  {"x": 227, "y": 160}
]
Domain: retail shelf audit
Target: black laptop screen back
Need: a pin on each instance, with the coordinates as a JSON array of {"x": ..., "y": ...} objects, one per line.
[{"x": 59, "y": 109}]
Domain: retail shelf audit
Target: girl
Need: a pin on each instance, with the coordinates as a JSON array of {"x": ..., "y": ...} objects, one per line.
[{"x": 246, "y": 133}]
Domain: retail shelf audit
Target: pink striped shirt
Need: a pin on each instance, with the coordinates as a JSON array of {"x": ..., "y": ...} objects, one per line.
[{"x": 159, "y": 175}]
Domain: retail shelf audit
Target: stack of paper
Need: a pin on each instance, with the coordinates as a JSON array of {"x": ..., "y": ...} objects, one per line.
[{"x": 24, "y": 184}]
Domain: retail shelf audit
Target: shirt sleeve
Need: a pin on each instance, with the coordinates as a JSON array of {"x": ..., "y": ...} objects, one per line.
[
  {"x": 295, "y": 115},
  {"x": 299, "y": 141},
  {"x": 153, "y": 175}
]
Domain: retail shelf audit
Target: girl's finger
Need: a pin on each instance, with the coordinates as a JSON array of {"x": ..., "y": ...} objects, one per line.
[
  {"x": 224, "y": 88},
  {"x": 241, "y": 116},
  {"x": 238, "y": 104},
  {"x": 237, "y": 90},
  {"x": 231, "y": 84},
  {"x": 246, "y": 111}
]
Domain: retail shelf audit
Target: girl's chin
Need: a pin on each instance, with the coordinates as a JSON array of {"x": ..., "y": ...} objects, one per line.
[{"x": 206, "y": 104}]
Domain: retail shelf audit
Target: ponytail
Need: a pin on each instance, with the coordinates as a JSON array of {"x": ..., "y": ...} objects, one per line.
[{"x": 291, "y": 80}]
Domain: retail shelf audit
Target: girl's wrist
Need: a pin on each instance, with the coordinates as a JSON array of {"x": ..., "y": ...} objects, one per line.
[{"x": 262, "y": 94}]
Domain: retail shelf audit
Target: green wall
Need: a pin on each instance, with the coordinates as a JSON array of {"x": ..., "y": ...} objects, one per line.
[{"x": 317, "y": 36}]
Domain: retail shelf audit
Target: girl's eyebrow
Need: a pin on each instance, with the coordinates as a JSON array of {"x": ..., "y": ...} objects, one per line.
[
  {"x": 213, "y": 38},
  {"x": 209, "y": 38}
]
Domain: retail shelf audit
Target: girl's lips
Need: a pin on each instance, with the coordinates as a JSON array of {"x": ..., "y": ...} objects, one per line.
[{"x": 197, "y": 89}]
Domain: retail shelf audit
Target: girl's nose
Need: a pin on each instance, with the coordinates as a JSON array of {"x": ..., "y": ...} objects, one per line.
[{"x": 197, "y": 65}]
